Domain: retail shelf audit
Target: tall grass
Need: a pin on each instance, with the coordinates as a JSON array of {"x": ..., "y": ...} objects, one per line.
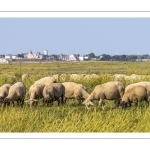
[{"x": 69, "y": 118}]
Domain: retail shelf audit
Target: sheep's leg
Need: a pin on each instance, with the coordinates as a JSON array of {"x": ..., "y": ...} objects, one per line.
[
  {"x": 73, "y": 101},
  {"x": 136, "y": 104},
  {"x": 65, "y": 99},
  {"x": 79, "y": 100},
  {"x": 22, "y": 102},
  {"x": 61, "y": 100},
  {"x": 117, "y": 103},
  {"x": 129, "y": 103},
  {"x": 58, "y": 101},
  {"x": 148, "y": 101},
  {"x": 44, "y": 101},
  {"x": 13, "y": 104},
  {"x": 100, "y": 103}
]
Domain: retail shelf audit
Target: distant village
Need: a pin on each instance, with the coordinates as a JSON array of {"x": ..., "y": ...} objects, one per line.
[
  {"x": 38, "y": 57},
  {"x": 45, "y": 57}
]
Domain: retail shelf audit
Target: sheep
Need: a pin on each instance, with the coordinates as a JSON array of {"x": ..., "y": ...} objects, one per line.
[
  {"x": 76, "y": 76},
  {"x": 35, "y": 93},
  {"x": 16, "y": 92},
  {"x": 63, "y": 77},
  {"x": 118, "y": 77},
  {"x": 75, "y": 91},
  {"x": 56, "y": 76},
  {"x": 52, "y": 92},
  {"x": 25, "y": 76},
  {"x": 112, "y": 90},
  {"x": 4, "y": 89},
  {"x": 45, "y": 81},
  {"x": 144, "y": 83},
  {"x": 137, "y": 93},
  {"x": 91, "y": 76},
  {"x": 134, "y": 94}
]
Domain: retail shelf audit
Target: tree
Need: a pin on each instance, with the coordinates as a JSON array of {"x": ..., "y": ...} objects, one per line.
[
  {"x": 91, "y": 55},
  {"x": 106, "y": 57}
]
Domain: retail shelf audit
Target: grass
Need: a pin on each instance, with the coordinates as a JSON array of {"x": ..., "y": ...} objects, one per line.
[{"x": 69, "y": 118}]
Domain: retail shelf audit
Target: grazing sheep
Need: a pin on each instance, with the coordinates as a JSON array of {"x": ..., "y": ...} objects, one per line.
[
  {"x": 56, "y": 76},
  {"x": 25, "y": 76},
  {"x": 35, "y": 93},
  {"x": 63, "y": 77},
  {"x": 111, "y": 91},
  {"x": 45, "y": 81},
  {"x": 134, "y": 94},
  {"x": 76, "y": 76},
  {"x": 145, "y": 85},
  {"x": 16, "y": 93},
  {"x": 75, "y": 91},
  {"x": 91, "y": 76},
  {"x": 4, "y": 89},
  {"x": 52, "y": 92},
  {"x": 118, "y": 77}
]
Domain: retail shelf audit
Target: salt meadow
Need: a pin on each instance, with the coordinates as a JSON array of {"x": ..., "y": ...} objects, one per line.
[{"x": 74, "y": 118}]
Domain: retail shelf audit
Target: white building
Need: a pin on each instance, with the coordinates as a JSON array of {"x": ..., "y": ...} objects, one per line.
[
  {"x": 30, "y": 55},
  {"x": 73, "y": 58},
  {"x": 3, "y": 60},
  {"x": 45, "y": 52},
  {"x": 8, "y": 57},
  {"x": 81, "y": 58}
]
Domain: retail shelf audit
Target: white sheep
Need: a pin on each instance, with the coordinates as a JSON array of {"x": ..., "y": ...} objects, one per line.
[
  {"x": 56, "y": 76},
  {"x": 4, "y": 89},
  {"x": 35, "y": 93},
  {"x": 63, "y": 77},
  {"x": 118, "y": 77},
  {"x": 16, "y": 93},
  {"x": 25, "y": 76},
  {"x": 75, "y": 91},
  {"x": 113, "y": 90},
  {"x": 76, "y": 76},
  {"x": 52, "y": 92},
  {"x": 136, "y": 92},
  {"x": 45, "y": 81}
]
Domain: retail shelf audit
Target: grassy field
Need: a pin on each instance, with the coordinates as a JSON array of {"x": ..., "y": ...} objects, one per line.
[{"x": 69, "y": 118}]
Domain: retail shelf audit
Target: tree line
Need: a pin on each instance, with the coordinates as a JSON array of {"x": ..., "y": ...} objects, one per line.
[{"x": 107, "y": 57}]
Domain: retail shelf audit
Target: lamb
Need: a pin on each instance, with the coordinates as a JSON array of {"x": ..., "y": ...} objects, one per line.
[
  {"x": 52, "y": 92},
  {"x": 75, "y": 91},
  {"x": 35, "y": 93},
  {"x": 134, "y": 94},
  {"x": 16, "y": 92},
  {"x": 4, "y": 89},
  {"x": 45, "y": 81},
  {"x": 113, "y": 90}
]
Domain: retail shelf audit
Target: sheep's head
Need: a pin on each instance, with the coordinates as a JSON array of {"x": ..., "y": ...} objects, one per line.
[
  {"x": 88, "y": 104},
  {"x": 6, "y": 101},
  {"x": 123, "y": 104},
  {"x": 31, "y": 102},
  {"x": 48, "y": 101}
]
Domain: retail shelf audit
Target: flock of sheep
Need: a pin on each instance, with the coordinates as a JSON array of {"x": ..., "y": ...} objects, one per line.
[{"x": 49, "y": 90}]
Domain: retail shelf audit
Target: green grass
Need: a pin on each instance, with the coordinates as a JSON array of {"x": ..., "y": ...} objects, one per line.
[{"x": 69, "y": 118}]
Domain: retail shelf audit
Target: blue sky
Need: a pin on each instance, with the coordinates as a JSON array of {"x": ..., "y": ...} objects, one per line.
[{"x": 75, "y": 35}]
